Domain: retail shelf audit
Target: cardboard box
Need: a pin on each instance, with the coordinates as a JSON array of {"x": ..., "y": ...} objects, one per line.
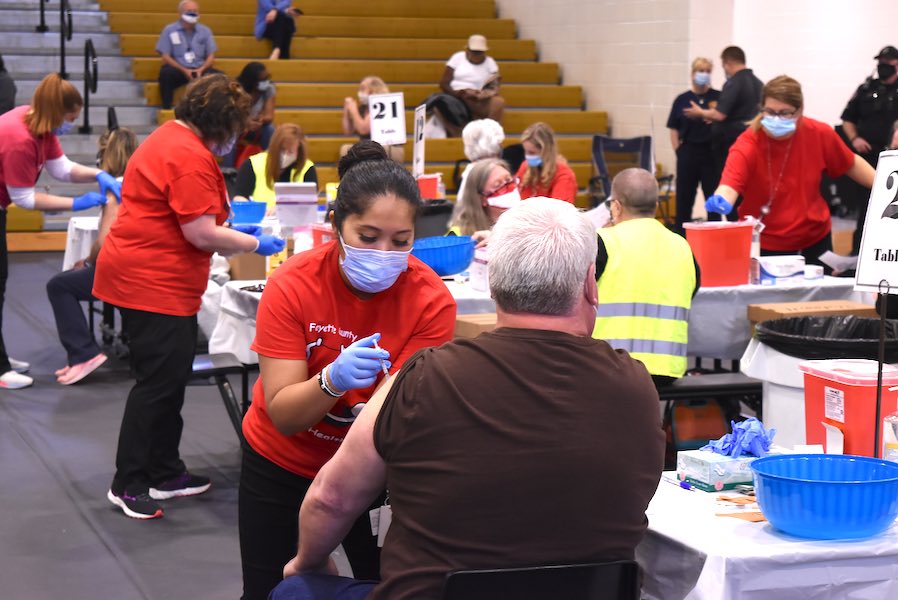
[
  {"x": 250, "y": 265},
  {"x": 470, "y": 326},
  {"x": 713, "y": 472},
  {"x": 821, "y": 308}
]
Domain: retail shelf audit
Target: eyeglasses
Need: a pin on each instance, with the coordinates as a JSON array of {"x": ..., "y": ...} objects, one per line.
[
  {"x": 608, "y": 203},
  {"x": 258, "y": 288},
  {"x": 783, "y": 114},
  {"x": 505, "y": 187}
]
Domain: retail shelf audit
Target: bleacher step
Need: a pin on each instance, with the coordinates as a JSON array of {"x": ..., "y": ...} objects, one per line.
[
  {"x": 21, "y": 19},
  {"x": 33, "y": 66},
  {"x": 19, "y": 41}
]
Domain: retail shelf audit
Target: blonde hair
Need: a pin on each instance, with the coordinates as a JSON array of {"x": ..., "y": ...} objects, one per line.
[
  {"x": 541, "y": 136},
  {"x": 701, "y": 62},
  {"x": 375, "y": 85},
  {"x": 53, "y": 98},
  {"x": 116, "y": 148},
  {"x": 470, "y": 215},
  {"x": 284, "y": 134},
  {"x": 782, "y": 88}
]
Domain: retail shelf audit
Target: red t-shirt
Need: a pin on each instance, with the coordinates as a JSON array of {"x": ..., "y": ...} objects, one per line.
[
  {"x": 563, "y": 187},
  {"x": 799, "y": 216},
  {"x": 146, "y": 263},
  {"x": 22, "y": 154},
  {"x": 307, "y": 313}
]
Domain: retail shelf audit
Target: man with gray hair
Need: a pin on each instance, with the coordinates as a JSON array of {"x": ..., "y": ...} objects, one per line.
[
  {"x": 533, "y": 444},
  {"x": 646, "y": 278},
  {"x": 187, "y": 50}
]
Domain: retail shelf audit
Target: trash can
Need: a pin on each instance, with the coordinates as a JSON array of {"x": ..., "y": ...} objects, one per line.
[{"x": 780, "y": 345}]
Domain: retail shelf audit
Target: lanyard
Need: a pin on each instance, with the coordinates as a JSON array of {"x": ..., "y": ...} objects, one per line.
[{"x": 774, "y": 185}]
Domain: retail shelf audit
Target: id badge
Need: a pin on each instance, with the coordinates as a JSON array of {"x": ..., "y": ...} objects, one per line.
[
  {"x": 190, "y": 57},
  {"x": 175, "y": 37}
]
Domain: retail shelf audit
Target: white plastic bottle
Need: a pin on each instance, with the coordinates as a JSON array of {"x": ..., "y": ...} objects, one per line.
[{"x": 890, "y": 437}]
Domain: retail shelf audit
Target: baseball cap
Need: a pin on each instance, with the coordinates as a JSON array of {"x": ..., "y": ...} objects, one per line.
[
  {"x": 477, "y": 43},
  {"x": 889, "y": 52}
]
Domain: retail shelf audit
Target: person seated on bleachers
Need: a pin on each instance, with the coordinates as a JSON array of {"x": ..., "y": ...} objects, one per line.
[
  {"x": 255, "y": 81},
  {"x": 68, "y": 289},
  {"x": 285, "y": 161},
  {"x": 275, "y": 21},
  {"x": 646, "y": 277},
  {"x": 482, "y": 139},
  {"x": 483, "y": 443},
  {"x": 473, "y": 78},
  {"x": 357, "y": 116},
  {"x": 490, "y": 190},
  {"x": 187, "y": 49},
  {"x": 544, "y": 171}
]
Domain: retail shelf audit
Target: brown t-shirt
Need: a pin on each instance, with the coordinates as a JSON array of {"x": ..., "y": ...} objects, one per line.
[{"x": 520, "y": 447}]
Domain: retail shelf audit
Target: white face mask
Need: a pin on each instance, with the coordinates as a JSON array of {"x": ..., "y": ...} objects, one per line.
[
  {"x": 287, "y": 159},
  {"x": 370, "y": 270},
  {"x": 363, "y": 97},
  {"x": 190, "y": 18},
  {"x": 507, "y": 200},
  {"x": 264, "y": 85}
]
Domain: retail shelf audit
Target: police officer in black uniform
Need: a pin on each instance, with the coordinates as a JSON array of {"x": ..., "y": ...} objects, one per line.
[{"x": 868, "y": 118}]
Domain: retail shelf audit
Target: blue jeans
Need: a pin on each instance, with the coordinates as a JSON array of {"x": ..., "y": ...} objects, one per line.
[{"x": 315, "y": 586}]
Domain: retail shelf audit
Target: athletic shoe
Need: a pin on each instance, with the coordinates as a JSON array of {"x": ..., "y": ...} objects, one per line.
[
  {"x": 14, "y": 381},
  {"x": 184, "y": 484},
  {"x": 19, "y": 366},
  {"x": 76, "y": 373},
  {"x": 136, "y": 506}
]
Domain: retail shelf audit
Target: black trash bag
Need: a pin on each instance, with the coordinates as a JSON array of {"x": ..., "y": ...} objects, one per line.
[{"x": 829, "y": 337}]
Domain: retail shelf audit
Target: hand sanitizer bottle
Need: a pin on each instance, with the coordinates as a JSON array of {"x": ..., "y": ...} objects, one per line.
[{"x": 890, "y": 437}]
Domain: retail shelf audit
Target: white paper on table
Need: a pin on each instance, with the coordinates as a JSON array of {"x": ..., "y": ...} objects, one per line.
[{"x": 838, "y": 262}]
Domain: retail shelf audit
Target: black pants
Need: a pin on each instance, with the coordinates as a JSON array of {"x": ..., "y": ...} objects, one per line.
[
  {"x": 4, "y": 274},
  {"x": 280, "y": 32},
  {"x": 171, "y": 79},
  {"x": 811, "y": 253},
  {"x": 862, "y": 198},
  {"x": 162, "y": 349},
  {"x": 268, "y": 515},
  {"x": 695, "y": 166},
  {"x": 66, "y": 291}
]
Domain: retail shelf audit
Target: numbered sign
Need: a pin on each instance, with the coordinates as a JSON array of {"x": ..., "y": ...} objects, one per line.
[
  {"x": 418, "y": 149},
  {"x": 387, "y": 118},
  {"x": 877, "y": 265}
]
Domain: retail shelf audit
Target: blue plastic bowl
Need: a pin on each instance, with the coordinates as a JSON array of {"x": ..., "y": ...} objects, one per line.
[
  {"x": 248, "y": 212},
  {"x": 827, "y": 496},
  {"x": 447, "y": 255}
]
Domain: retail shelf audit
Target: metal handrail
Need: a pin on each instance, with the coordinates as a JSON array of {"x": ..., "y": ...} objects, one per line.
[
  {"x": 91, "y": 77},
  {"x": 65, "y": 33},
  {"x": 42, "y": 28}
]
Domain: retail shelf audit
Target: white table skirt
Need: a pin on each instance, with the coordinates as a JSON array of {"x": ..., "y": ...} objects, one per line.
[{"x": 689, "y": 553}]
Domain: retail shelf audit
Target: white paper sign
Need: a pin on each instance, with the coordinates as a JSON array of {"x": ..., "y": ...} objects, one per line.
[
  {"x": 418, "y": 150},
  {"x": 878, "y": 256},
  {"x": 387, "y": 118}
]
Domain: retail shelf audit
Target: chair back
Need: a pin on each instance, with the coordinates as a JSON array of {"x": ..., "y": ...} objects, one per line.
[
  {"x": 433, "y": 220},
  {"x": 612, "y": 155},
  {"x": 597, "y": 581},
  {"x": 513, "y": 154}
]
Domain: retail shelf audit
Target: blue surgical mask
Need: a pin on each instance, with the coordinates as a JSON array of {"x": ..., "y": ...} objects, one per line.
[
  {"x": 778, "y": 127},
  {"x": 702, "y": 79},
  {"x": 264, "y": 85},
  {"x": 534, "y": 160},
  {"x": 66, "y": 127},
  {"x": 224, "y": 149},
  {"x": 370, "y": 270}
]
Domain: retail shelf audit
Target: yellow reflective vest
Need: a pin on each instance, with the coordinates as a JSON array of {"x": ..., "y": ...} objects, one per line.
[
  {"x": 263, "y": 193},
  {"x": 645, "y": 294}
]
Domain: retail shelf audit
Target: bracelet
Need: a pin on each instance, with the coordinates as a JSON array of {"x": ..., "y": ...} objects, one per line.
[{"x": 325, "y": 386}]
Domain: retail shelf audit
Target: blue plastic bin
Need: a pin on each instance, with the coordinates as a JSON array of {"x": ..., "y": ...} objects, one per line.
[
  {"x": 447, "y": 255},
  {"x": 248, "y": 212}
]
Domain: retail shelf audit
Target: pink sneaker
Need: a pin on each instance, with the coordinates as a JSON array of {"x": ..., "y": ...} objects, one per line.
[
  {"x": 62, "y": 371},
  {"x": 78, "y": 372}
]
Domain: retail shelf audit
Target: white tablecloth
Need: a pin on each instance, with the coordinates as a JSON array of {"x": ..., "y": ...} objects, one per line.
[{"x": 689, "y": 553}]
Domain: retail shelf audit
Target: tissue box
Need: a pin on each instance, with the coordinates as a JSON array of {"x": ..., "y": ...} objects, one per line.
[
  {"x": 772, "y": 269},
  {"x": 713, "y": 472}
]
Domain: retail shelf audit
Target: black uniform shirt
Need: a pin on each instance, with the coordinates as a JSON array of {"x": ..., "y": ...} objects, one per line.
[{"x": 873, "y": 109}]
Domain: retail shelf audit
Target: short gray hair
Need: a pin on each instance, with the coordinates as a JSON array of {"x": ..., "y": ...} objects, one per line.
[
  {"x": 540, "y": 253},
  {"x": 183, "y": 2},
  {"x": 637, "y": 190},
  {"x": 483, "y": 139}
]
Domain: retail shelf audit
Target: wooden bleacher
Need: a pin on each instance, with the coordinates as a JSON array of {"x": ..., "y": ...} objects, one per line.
[{"x": 406, "y": 42}]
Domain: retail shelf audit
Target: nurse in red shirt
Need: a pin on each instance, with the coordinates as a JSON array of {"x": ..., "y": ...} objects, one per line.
[
  {"x": 544, "y": 172},
  {"x": 776, "y": 166},
  {"x": 29, "y": 142},
  {"x": 328, "y": 320},
  {"x": 154, "y": 265}
]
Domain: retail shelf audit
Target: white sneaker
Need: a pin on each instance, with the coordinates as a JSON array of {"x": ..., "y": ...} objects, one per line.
[
  {"x": 14, "y": 381},
  {"x": 19, "y": 366}
]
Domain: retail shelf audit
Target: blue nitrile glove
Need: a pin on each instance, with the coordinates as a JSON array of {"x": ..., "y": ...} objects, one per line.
[
  {"x": 109, "y": 184},
  {"x": 253, "y": 230},
  {"x": 358, "y": 365},
  {"x": 88, "y": 200},
  {"x": 269, "y": 244},
  {"x": 718, "y": 204}
]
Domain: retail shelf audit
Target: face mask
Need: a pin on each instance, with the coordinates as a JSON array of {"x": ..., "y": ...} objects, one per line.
[
  {"x": 371, "y": 270},
  {"x": 778, "y": 126},
  {"x": 507, "y": 200},
  {"x": 224, "y": 149},
  {"x": 190, "y": 18},
  {"x": 264, "y": 85},
  {"x": 885, "y": 71},
  {"x": 533, "y": 160},
  {"x": 287, "y": 159},
  {"x": 363, "y": 97},
  {"x": 66, "y": 127},
  {"x": 702, "y": 79}
]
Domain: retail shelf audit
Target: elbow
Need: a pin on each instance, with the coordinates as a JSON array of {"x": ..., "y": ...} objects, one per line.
[{"x": 201, "y": 241}]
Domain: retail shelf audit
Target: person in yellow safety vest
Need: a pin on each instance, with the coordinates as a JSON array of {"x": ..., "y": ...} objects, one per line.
[
  {"x": 284, "y": 162},
  {"x": 646, "y": 277}
]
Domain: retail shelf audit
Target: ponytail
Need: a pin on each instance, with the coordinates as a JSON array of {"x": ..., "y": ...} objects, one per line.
[{"x": 53, "y": 98}]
